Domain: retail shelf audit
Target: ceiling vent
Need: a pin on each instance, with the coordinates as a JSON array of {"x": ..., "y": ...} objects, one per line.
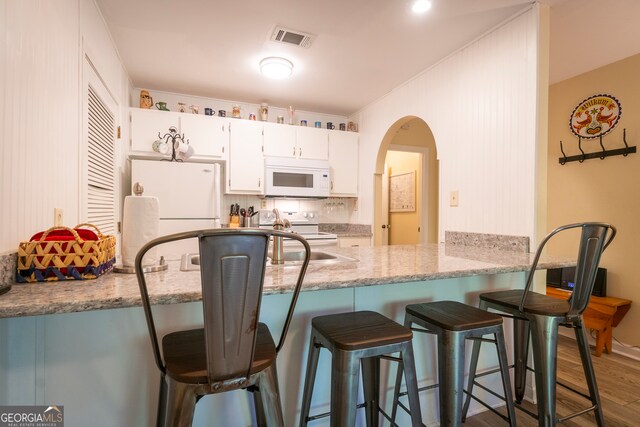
[{"x": 285, "y": 35}]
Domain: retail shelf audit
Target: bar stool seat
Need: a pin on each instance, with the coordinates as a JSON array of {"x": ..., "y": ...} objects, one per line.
[
  {"x": 453, "y": 323},
  {"x": 354, "y": 339}
]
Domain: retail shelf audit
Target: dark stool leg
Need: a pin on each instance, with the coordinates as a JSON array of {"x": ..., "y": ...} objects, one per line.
[
  {"x": 259, "y": 408},
  {"x": 544, "y": 333},
  {"x": 521, "y": 333},
  {"x": 162, "y": 402},
  {"x": 501, "y": 348},
  {"x": 473, "y": 366},
  {"x": 589, "y": 373},
  {"x": 181, "y": 403},
  {"x": 396, "y": 392},
  {"x": 344, "y": 388},
  {"x": 451, "y": 376},
  {"x": 270, "y": 396},
  {"x": 309, "y": 380},
  {"x": 371, "y": 386},
  {"x": 409, "y": 368}
]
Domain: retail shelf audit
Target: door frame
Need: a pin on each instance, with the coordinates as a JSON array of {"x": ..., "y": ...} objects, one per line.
[
  {"x": 430, "y": 229},
  {"x": 424, "y": 190}
]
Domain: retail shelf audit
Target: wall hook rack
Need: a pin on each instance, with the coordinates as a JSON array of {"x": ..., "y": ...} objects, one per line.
[{"x": 597, "y": 155}]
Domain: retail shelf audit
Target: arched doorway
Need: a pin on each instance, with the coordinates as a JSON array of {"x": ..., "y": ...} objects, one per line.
[{"x": 409, "y": 134}]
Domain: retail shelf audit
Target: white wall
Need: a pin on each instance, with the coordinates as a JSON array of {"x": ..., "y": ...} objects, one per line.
[
  {"x": 39, "y": 154},
  {"x": 480, "y": 104},
  {"x": 41, "y": 109}
]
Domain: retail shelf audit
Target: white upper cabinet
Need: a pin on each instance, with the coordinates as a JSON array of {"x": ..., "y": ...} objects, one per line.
[
  {"x": 279, "y": 140},
  {"x": 245, "y": 168},
  {"x": 295, "y": 141},
  {"x": 208, "y": 135},
  {"x": 343, "y": 161},
  {"x": 312, "y": 143},
  {"x": 145, "y": 125}
]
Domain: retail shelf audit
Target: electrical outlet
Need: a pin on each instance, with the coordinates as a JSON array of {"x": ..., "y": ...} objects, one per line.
[
  {"x": 453, "y": 198},
  {"x": 263, "y": 204},
  {"x": 58, "y": 217},
  {"x": 356, "y": 205}
]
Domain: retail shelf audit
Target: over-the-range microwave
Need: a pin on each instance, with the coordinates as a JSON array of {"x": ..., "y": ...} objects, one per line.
[{"x": 288, "y": 177}]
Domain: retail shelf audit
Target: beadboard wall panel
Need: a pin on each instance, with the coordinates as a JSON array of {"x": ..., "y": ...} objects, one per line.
[
  {"x": 40, "y": 136},
  {"x": 480, "y": 104}
]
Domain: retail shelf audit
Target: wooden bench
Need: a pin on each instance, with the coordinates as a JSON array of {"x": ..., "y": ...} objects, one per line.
[{"x": 602, "y": 315}]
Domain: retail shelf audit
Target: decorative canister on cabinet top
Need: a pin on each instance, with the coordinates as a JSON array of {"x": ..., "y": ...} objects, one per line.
[
  {"x": 264, "y": 112},
  {"x": 235, "y": 112},
  {"x": 145, "y": 99}
]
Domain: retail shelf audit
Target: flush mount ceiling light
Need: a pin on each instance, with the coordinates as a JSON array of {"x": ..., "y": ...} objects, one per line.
[
  {"x": 276, "y": 68},
  {"x": 421, "y": 6}
]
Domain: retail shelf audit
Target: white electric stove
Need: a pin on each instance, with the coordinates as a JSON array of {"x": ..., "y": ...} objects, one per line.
[{"x": 304, "y": 223}]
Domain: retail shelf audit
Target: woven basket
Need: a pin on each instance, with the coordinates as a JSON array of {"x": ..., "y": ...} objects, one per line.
[{"x": 45, "y": 260}]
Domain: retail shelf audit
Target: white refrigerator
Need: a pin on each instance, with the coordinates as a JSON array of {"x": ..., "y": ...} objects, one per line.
[{"x": 189, "y": 196}]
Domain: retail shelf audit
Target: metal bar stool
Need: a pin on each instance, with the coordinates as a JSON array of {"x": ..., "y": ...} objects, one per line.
[
  {"x": 539, "y": 316},
  {"x": 453, "y": 323},
  {"x": 361, "y": 337},
  {"x": 232, "y": 350}
]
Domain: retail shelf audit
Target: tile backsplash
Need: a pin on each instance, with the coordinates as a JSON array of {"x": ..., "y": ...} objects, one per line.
[{"x": 331, "y": 210}]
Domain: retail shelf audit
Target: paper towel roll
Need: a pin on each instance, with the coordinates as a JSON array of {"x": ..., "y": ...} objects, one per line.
[{"x": 139, "y": 225}]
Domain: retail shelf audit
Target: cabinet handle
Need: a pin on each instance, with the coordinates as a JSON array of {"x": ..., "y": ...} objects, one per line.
[
  {"x": 300, "y": 152},
  {"x": 259, "y": 182},
  {"x": 332, "y": 185},
  {"x": 223, "y": 150},
  {"x": 294, "y": 151}
]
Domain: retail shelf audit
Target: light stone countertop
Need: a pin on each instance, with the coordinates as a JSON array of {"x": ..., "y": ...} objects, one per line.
[{"x": 376, "y": 266}]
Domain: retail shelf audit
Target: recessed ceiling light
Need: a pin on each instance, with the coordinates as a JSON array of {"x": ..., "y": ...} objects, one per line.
[
  {"x": 421, "y": 6},
  {"x": 276, "y": 68}
]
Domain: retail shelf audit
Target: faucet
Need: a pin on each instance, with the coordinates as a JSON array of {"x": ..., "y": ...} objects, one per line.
[{"x": 278, "y": 249}]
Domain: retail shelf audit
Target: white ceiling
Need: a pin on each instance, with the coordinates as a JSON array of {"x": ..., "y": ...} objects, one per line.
[{"x": 362, "y": 50}]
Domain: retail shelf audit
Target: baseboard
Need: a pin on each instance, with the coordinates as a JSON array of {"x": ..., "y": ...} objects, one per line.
[{"x": 630, "y": 352}]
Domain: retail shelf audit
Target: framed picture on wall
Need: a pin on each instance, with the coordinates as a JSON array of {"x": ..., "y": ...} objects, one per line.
[{"x": 402, "y": 192}]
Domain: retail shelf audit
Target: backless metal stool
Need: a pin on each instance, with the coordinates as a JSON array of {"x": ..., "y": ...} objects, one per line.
[
  {"x": 538, "y": 316},
  {"x": 361, "y": 337},
  {"x": 453, "y": 323}
]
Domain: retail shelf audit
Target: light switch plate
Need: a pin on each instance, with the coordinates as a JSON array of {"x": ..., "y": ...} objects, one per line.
[{"x": 453, "y": 198}]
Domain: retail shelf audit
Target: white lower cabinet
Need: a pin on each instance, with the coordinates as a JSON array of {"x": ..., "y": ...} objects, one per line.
[
  {"x": 343, "y": 160},
  {"x": 351, "y": 242},
  {"x": 245, "y": 168}
]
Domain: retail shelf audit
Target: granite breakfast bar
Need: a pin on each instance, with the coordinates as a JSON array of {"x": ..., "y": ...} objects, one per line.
[{"x": 84, "y": 345}]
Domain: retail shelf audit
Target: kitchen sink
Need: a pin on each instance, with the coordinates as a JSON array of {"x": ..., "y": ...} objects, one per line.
[
  {"x": 192, "y": 261},
  {"x": 316, "y": 257}
]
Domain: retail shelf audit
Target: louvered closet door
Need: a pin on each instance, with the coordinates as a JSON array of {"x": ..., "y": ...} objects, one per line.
[{"x": 99, "y": 179}]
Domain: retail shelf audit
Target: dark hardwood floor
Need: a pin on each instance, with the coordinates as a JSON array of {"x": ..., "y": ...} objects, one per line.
[{"x": 618, "y": 381}]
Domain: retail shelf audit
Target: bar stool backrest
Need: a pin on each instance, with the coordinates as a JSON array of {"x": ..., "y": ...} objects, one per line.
[
  {"x": 232, "y": 268},
  {"x": 594, "y": 239}
]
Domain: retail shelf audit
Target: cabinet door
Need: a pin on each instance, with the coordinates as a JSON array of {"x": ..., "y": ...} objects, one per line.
[
  {"x": 145, "y": 125},
  {"x": 245, "y": 169},
  {"x": 343, "y": 161},
  {"x": 209, "y": 136},
  {"x": 312, "y": 143},
  {"x": 279, "y": 140}
]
